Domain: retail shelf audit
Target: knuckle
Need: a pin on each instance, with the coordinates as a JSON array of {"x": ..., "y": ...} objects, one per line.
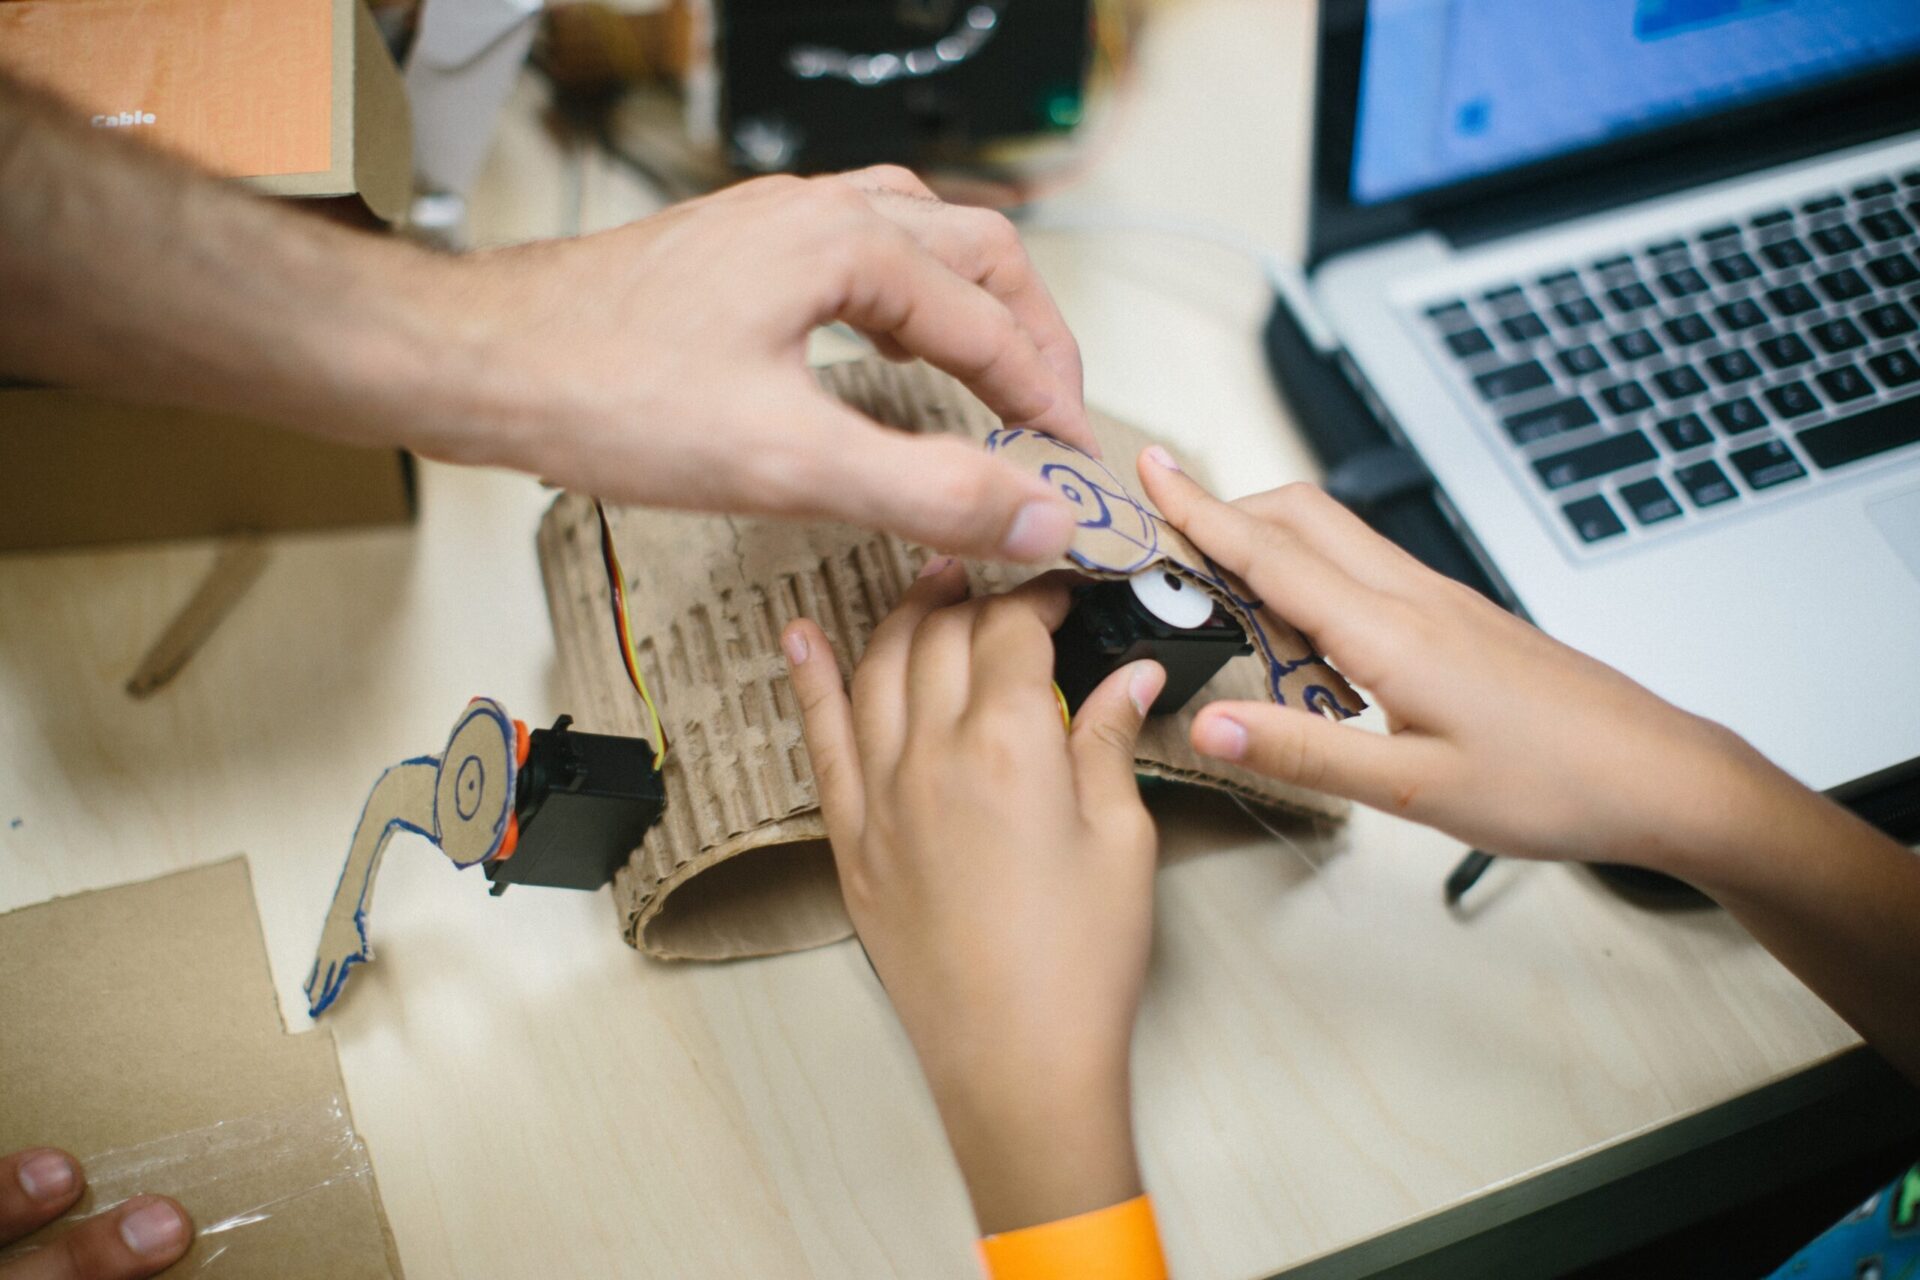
[
  {"x": 782, "y": 189},
  {"x": 924, "y": 764},
  {"x": 996, "y": 232},
  {"x": 894, "y": 176},
  {"x": 833, "y": 212},
  {"x": 993, "y": 738},
  {"x": 1114, "y": 737},
  {"x": 814, "y": 697},
  {"x": 779, "y": 473},
  {"x": 1299, "y": 761},
  {"x": 1298, "y": 500}
]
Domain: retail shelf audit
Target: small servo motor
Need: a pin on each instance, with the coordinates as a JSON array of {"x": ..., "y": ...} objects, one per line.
[
  {"x": 584, "y": 801},
  {"x": 1156, "y": 614}
]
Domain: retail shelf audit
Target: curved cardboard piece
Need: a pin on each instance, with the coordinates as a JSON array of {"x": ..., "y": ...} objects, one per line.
[
  {"x": 1121, "y": 535},
  {"x": 739, "y": 865}
]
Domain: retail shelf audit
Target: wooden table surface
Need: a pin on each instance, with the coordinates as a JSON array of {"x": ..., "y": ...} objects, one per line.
[{"x": 1326, "y": 1056}]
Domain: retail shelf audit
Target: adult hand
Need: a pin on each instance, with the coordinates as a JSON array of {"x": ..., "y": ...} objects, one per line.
[
  {"x": 1498, "y": 734},
  {"x": 659, "y": 362},
  {"x": 999, "y": 870},
  {"x": 664, "y": 362},
  {"x": 140, "y": 1237}
]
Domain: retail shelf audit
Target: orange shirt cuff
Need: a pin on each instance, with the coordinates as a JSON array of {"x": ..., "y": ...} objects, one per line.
[{"x": 1120, "y": 1242}]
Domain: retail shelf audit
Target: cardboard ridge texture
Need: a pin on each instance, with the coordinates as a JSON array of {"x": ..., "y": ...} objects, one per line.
[{"x": 740, "y": 865}]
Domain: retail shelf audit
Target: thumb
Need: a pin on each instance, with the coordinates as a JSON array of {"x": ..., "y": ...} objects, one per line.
[
  {"x": 938, "y": 491},
  {"x": 1105, "y": 731}
]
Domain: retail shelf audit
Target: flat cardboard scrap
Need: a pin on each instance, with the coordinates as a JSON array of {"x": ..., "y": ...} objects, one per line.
[
  {"x": 141, "y": 1034},
  {"x": 740, "y": 865}
]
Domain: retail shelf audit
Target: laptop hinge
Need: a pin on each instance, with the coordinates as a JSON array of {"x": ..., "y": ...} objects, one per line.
[{"x": 1603, "y": 187}]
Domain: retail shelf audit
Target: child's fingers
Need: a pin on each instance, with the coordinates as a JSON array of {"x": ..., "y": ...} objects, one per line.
[
  {"x": 1013, "y": 643},
  {"x": 1337, "y": 534},
  {"x": 827, "y": 719},
  {"x": 1295, "y": 581},
  {"x": 1105, "y": 731},
  {"x": 938, "y": 670},
  {"x": 879, "y": 684},
  {"x": 1311, "y": 751}
]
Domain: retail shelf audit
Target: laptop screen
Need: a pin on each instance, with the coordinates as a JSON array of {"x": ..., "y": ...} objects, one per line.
[{"x": 1458, "y": 89}]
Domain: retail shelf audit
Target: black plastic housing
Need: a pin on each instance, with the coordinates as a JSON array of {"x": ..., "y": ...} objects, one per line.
[
  {"x": 584, "y": 802},
  {"x": 1027, "y": 78},
  {"x": 1108, "y": 627}
]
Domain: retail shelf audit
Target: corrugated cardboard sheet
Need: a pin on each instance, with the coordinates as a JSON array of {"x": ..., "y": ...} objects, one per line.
[
  {"x": 138, "y": 1031},
  {"x": 740, "y": 865}
]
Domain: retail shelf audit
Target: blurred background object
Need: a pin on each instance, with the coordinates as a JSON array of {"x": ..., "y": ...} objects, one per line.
[{"x": 992, "y": 100}]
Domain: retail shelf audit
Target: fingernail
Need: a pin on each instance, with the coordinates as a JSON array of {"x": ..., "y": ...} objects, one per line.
[
  {"x": 1040, "y": 530},
  {"x": 935, "y": 565},
  {"x": 154, "y": 1229},
  {"x": 795, "y": 643},
  {"x": 47, "y": 1176},
  {"x": 1144, "y": 685},
  {"x": 1161, "y": 458},
  {"x": 1221, "y": 737}
]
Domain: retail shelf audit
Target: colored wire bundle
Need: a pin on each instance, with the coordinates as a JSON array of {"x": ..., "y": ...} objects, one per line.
[{"x": 623, "y": 627}]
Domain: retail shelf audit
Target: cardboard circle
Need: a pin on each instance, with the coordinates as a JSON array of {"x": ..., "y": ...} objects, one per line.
[
  {"x": 1116, "y": 535},
  {"x": 474, "y": 792}
]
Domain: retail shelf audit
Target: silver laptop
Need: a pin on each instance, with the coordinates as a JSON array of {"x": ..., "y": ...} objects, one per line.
[{"x": 1639, "y": 281}]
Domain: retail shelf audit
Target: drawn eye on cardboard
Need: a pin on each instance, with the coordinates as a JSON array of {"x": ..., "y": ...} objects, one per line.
[
  {"x": 1117, "y": 535},
  {"x": 461, "y": 800},
  {"x": 1121, "y": 535}
]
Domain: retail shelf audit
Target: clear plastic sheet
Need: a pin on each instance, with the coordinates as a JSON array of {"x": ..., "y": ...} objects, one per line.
[{"x": 230, "y": 1176}]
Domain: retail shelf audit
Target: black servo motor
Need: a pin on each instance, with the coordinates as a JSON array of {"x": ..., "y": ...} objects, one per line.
[
  {"x": 1112, "y": 624},
  {"x": 584, "y": 802}
]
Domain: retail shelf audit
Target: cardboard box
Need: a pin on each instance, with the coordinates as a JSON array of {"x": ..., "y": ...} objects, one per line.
[
  {"x": 295, "y": 97},
  {"x": 78, "y": 470}
]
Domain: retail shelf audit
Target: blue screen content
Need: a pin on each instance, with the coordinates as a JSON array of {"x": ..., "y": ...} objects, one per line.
[{"x": 1457, "y": 89}]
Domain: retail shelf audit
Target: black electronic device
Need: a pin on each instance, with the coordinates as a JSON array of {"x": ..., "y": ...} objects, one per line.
[
  {"x": 1111, "y": 625},
  {"x": 810, "y": 85},
  {"x": 584, "y": 802}
]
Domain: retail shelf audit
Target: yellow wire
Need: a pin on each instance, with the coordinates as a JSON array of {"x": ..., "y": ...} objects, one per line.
[
  {"x": 1066, "y": 716},
  {"x": 623, "y": 631}
]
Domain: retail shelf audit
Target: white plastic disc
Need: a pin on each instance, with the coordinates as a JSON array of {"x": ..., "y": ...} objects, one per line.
[{"x": 1171, "y": 598}]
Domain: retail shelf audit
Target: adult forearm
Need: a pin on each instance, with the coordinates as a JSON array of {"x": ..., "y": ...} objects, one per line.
[{"x": 126, "y": 272}]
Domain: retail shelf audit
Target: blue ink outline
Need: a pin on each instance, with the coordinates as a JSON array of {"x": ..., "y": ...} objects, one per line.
[{"x": 1315, "y": 696}]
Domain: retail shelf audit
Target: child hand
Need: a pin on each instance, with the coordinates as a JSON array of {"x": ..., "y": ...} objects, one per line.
[
  {"x": 999, "y": 870},
  {"x": 1498, "y": 735}
]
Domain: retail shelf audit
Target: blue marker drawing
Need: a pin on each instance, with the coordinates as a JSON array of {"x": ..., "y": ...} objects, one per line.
[
  {"x": 461, "y": 800},
  {"x": 1120, "y": 536}
]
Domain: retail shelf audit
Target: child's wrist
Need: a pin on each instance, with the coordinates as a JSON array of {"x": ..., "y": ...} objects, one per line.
[
  {"x": 1038, "y": 1142},
  {"x": 1733, "y": 816}
]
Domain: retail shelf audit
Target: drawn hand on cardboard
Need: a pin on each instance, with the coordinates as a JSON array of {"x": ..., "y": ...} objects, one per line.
[
  {"x": 1121, "y": 535},
  {"x": 462, "y": 800}
]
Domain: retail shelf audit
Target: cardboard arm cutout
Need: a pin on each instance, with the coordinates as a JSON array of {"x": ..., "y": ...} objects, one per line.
[{"x": 462, "y": 800}]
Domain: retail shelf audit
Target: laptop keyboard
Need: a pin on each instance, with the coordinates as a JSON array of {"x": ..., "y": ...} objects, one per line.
[{"x": 1677, "y": 380}]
